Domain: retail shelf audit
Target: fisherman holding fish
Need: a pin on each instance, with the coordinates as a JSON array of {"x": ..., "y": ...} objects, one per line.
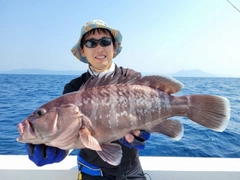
[
  {"x": 109, "y": 111},
  {"x": 98, "y": 45}
]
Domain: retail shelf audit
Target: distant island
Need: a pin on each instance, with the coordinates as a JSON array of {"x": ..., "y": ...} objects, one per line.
[
  {"x": 42, "y": 71},
  {"x": 193, "y": 73},
  {"x": 182, "y": 73}
]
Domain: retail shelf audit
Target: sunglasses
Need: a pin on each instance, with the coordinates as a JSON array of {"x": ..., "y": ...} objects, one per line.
[{"x": 92, "y": 43}]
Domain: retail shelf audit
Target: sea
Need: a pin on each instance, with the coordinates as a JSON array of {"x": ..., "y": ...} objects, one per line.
[{"x": 21, "y": 94}]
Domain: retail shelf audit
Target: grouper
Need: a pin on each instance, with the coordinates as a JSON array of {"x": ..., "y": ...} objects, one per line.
[{"x": 108, "y": 108}]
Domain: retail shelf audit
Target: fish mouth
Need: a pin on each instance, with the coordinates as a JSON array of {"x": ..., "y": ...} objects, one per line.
[{"x": 26, "y": 130}]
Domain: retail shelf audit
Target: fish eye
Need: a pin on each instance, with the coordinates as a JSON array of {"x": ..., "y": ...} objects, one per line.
[{"x": 40, "y": 112}]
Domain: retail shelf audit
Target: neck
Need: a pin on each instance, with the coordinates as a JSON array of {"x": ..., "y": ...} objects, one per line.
[{"x": 102, "y": 73}]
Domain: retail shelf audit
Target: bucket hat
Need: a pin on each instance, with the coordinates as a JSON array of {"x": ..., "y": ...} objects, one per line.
[{"x": 93, "y": 25}]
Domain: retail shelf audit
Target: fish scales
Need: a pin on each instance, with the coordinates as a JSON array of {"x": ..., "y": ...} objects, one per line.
[
  {"x": 106, "y": 109},
  {"x": 115, "y": 109}
]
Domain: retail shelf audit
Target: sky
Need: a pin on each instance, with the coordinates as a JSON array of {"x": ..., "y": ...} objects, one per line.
[{"x": 159, "y": 36}]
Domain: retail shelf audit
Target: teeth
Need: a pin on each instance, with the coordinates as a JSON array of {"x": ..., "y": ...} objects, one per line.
[{"x": 100, "y": 57}]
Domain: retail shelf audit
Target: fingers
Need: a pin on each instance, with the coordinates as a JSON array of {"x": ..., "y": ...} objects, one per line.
[
  {"x": 40, "y": 151},
  {"x": 129, "y": 138},
  {"x": 30, "y": 149},
  {"x": 42, "y": 154},
  {"x": 136, "y": 132},
  {"x": 139, "y": 134},
  {"x": 51, "y": 152}
]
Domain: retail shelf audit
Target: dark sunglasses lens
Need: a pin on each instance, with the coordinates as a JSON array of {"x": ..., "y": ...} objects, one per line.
[
  {"x": 91, "y": 43},
  {"x": 105, "y": 42}
]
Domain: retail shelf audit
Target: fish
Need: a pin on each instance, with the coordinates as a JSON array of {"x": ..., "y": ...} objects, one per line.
[{"x": 107, "y": 108}]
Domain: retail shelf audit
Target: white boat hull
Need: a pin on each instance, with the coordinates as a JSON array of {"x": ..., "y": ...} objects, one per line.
[{"x": 19, "y": 167}]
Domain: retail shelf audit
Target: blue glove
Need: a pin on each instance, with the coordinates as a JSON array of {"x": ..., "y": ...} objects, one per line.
[
  {"x": 139, "y": 141},
  {"x": 41, "y": 154}
]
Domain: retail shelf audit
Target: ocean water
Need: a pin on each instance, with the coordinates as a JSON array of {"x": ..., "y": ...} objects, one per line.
[{"x": 20, "y": 95}]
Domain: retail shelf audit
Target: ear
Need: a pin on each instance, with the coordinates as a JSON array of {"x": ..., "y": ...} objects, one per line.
[
  {"x": 115, "y": 48},
  {"x": 82, "y": 52}
]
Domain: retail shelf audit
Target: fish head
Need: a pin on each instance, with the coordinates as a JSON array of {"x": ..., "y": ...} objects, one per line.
[
  {"x": 50, "y": 123},
  {"x": 41, "y": 123}
]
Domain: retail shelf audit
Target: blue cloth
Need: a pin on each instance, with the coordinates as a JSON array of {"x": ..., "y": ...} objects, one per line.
[
  {"x": 87, "y": 168},
  {"x": 139, "y": 141},
  {"x": 41, "y": 154}
]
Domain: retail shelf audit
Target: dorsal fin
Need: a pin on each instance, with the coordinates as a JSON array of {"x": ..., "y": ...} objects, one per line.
[
  {"x": 106, "y": 80},
  {"x": 163, "y": 83},
  {"x": 167, "y": 84}
]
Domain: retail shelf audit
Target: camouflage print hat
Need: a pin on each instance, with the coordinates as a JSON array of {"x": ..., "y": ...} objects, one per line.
[{"x": 93, "y": 25}]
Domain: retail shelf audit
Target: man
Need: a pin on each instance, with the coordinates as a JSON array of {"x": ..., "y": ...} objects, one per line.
[{"x": 98, "y": 45}]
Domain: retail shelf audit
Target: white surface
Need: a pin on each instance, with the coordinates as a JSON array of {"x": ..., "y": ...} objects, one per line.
[{"x": 169, "y": 168}]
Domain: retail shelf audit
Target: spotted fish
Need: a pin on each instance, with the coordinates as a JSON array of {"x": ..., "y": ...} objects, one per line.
[{"x": 106, "y": 109}]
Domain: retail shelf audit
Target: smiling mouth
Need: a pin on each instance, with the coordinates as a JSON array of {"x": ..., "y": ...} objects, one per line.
[{"x": 100, "y": 57}]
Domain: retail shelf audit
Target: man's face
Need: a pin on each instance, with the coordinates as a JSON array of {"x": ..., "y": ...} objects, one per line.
[{"x": 99, "y": 58}]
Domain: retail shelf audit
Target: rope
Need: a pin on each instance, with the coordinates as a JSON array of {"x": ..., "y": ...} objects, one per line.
[{"x": 233, "y": 6}]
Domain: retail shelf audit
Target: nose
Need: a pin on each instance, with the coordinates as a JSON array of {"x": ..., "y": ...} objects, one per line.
[{"x": 99, "y": 48}]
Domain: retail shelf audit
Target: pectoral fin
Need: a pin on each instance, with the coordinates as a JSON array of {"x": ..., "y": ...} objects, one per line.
[
  {"x": 111, "y": 153},
  {"x": 88, "y": 140}
]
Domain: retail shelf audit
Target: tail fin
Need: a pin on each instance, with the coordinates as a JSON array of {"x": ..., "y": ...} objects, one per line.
[{"x": 210, "y": 111}]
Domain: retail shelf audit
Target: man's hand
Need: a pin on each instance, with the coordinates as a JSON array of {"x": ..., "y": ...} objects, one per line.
[
  {"x": 41, "y": 154},
  {"x": 135, "y": 139}
]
